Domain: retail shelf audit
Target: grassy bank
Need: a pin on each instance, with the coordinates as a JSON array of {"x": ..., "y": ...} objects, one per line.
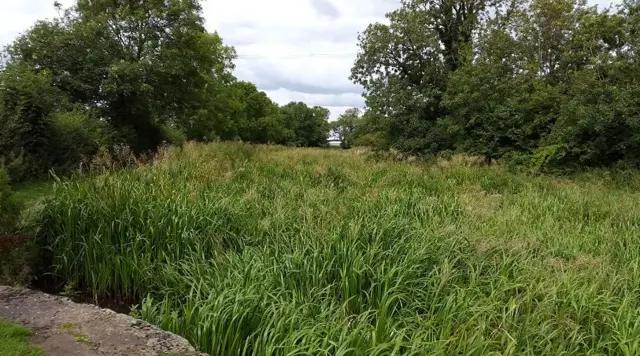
[
  {"x": 14, "y": 340},
  {"x": 267, "y": 250}
]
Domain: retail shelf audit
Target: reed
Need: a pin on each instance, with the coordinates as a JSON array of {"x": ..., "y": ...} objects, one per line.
[{"x": 259, "y": 250}]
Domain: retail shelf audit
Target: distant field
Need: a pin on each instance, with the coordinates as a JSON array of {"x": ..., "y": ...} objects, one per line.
[{"x": 274, "y": 251}]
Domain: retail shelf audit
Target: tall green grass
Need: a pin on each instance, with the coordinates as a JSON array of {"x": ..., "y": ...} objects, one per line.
[{"x": 272, "y": 251}]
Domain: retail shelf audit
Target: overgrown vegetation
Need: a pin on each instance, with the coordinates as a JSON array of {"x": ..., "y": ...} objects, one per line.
[
  {"x": 544, "y": 83},
  {"x": 547, "y": 83},
  {"x": 137, "y": 73},
  {"x": 14, "y": 340},
  {"x": 17, "y": 252},
  {"x": 273, "y": 251},
  {"x": 267, "y": 250},
  {"x": 9, "y": 209}
]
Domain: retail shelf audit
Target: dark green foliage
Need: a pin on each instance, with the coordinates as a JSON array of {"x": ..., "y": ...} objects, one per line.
[
  {"x": 309, "y": 124},
  {"x": 598, "y": 125},
  {"x": 75, "y": 138},
  {"x": 9, "y": 209},
  {"x": 495, "y": 115},
  {"x": 355, "y": 128},
  {"x": 404, "y": 67},
  {"x": 26, "y": 100},
  {"x": 142, "y": 74},
  {"x": 255, "y": 118},
  {"x": 40, "y": 130},
  {"x": 370, "y": 131},
  {"x": 17, "y": 252},
  {"x": 544, "y": 82},
  {"x": 139, "y": 65},
  {"x": 345, "y": 127}
]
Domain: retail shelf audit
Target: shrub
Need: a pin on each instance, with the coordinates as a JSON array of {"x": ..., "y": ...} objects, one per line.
[
  {"x": 75, "y": 137},
  {"x": 374, "y": 139},
  {"x": 116, "y": 157},
  {"x": 8, "y": 207},
  {"x": 174, "y": 136},
  {"x": 26, "y": 100},
  {"x": 17, "y": 252}
]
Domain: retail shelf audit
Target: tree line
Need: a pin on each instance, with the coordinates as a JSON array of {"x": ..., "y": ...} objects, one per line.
[
  {"x": 136, "y": 73},
  {"x": 548, "y": 83}
]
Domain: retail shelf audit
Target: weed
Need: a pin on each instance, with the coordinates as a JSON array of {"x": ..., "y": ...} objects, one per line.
[
  {"x": 134, "y": 312},
  {"x": 73, "y": 330},
  {"x": 70, "y": 290},
  {"x": 257, "y": 250},
  {"x": 68, "y": 326}
]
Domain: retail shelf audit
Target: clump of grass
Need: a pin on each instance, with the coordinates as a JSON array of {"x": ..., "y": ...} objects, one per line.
[
  {"x": 73, "y": 330},
  {"x": 271, "y": 251},
  {"x": 14, "y": 340}
]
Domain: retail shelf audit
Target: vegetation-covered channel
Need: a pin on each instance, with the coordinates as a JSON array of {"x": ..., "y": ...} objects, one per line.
[{"x": 267, "y": 250}]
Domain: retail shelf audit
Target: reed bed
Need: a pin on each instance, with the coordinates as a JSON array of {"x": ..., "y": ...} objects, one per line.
[{"x": 258, "y": 250}]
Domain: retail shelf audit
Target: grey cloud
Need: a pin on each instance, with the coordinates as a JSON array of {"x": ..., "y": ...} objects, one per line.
[
  {"x": 266, "y": 83},
  {"x": 248, "y": 34},
  {"x": 328, "y": 101},
  {"x": 266, "y": 78},
  {"x": 351, "y": 101},
  {"x": 324, "y": 7},
  {"x": 336, "y": 34},
  {"x": 285, "y": 83},
  {"x": 236, "y": 39},
  {"x": 377, "y": 8}
]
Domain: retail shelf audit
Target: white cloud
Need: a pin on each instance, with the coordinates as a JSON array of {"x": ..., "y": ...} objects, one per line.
[
  {"x": 17, "y": 16},
  {"x": 295, "y": 49},
  {"x": 298, "y": 50}
]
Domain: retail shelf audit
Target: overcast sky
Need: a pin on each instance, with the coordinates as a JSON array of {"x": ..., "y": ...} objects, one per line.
[{"x": 294, "y": 50}]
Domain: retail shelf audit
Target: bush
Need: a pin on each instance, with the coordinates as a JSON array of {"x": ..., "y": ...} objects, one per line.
[
  {"x": 115, "y": 158},
  {"x": 75, "y": 138},
  {"x": 40, "y": 130},
  {"x": 374, "y": 139},
  {"x": 26, "y": 100},
  {"x": 16, "y": 165},
  {"x": 8, "y": 207},
  {"x": 174, "y": 136},
  {"x": 17, "y": 252}
]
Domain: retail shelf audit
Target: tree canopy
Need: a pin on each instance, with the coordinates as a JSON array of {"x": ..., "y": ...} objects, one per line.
[
  {"x": 547, "y": 83},
  {"x": 544, "y": 82},
  {"x": 138, "y": 73}
]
